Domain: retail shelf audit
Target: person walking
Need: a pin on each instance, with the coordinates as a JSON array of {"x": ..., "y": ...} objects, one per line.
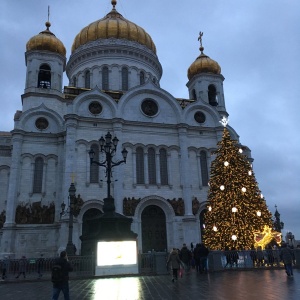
[
  {"x": 203, "y": 254},
  {"x": 286, "y": 255},
  {"x": 22, "y": 267},
  {"x": 40, "y": 264},
  {"x": 185, "y": 257},
  {"x": 5, "y": 267},
  {"x": 60, "y": 276},
  {"x": 174, "y": 261}
]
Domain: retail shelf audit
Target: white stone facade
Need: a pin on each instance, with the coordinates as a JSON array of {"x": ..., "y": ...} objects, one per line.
[{"x": 63, "y": 145}]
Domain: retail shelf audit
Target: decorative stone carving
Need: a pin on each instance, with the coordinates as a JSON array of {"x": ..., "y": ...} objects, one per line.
[
  {"x": 129, "y": 206},
  {"x": 35, "y": 213},
  {"x": 195, "y": 205},
  {"x": 178, "y": 206}
]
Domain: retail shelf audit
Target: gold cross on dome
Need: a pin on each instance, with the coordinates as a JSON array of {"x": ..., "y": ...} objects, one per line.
[{"x": 200, "y": 38}]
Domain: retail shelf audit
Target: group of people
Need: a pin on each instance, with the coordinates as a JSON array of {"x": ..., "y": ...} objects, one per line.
[{"x": 184, "y": 259}]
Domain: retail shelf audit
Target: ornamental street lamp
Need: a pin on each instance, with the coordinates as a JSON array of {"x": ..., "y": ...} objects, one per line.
[
  {"x": 72, "y": 210},
  {"x": 108, "y": 146}
]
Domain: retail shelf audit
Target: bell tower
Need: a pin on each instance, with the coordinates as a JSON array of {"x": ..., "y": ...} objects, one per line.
[
  {"x": 45, "y": 59},
  {"x": 206, "y": 81}
]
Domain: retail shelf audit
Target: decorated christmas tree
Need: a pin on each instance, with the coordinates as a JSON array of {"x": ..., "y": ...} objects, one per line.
[{"x": 236, "y": 208}]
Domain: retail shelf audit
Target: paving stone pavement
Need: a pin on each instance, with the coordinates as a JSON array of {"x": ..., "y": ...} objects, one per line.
[{"x": 227, "y": 285}]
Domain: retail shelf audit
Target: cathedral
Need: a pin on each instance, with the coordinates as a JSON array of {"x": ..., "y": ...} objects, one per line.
[{"x": 113, "y": 90}]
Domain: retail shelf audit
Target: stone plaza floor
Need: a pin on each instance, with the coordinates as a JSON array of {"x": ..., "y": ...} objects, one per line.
[{"x": 226, "y": 285}]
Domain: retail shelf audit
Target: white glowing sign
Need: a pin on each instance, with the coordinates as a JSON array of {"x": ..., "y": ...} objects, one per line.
[{"x": 116, "y": 253}]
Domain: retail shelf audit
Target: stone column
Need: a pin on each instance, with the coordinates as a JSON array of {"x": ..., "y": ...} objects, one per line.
[
  {"x": 185, "y": 172},
  {"x": 9, "y": 230},
  {"x": 13, "y": 180}
]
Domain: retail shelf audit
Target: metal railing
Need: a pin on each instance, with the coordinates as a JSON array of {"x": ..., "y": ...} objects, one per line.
[
  {"x": 153, "y": 263},
  {"x": 37, "y": 268}
]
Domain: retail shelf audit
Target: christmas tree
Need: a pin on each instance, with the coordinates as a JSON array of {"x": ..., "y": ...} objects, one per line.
[{"x": 236, "y": 208}]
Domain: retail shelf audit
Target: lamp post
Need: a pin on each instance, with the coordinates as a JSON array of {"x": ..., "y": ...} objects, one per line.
[
  {"x": 72, "y": 210},
  {"x": 108, "y": 146}
]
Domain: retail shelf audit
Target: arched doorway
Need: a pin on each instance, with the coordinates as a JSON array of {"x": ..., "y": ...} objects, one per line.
[
  {"x": 154, "y": 234},
  {"x": 90, "y": 225}
]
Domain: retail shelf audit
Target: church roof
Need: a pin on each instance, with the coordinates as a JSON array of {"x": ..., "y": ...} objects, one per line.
[
  {"x": 113, "y": 25},
  {"x": 47, "y": 41}
]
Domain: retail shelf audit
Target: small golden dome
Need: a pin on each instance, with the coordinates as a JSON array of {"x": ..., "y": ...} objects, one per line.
[
  {"x": 203, "y": 64},
  {"x": 46, "y": 40},
  {"x": 113, "y": 25}
]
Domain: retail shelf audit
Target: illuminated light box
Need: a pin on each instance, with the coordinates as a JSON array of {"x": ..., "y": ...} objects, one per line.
[
  {"x": 116, "y": 253},
  {"x": 116, "y": 258}
]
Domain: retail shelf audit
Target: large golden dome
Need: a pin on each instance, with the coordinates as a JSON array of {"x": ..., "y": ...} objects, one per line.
[
  {"x": 203, "y": 64},
  {"x": 113, "y": 25},
  {"x": 46, "y": 40}
]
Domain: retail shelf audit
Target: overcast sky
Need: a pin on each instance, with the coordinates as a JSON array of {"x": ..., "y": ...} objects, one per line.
[{"x": 256, "y": 43}]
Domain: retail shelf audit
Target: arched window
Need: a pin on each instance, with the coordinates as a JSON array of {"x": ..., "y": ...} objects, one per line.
[
  {"x": 38, "y": 175},
  {"x": 142, "y": 78},
  {"x": 87, "y": 80},
  {"x": 151, "y": 166},
  {"x": 94, "y": 169},
  {"x": 140, "y": 177},
  {"x": 105, "y": 78},
  {"x": 163, "y": 166},
  {"x": 44, "y": 77},
  {"x": 212, "y": 95},
  {"x": 204, "y": 169},
  {"x": 194, "y": 94},
  {"x": 74, "y": 81},
  {"x": 124, "y": 79}
]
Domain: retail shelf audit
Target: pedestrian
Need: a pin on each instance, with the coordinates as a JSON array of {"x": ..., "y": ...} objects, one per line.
[
  {"x": 5, "y": 267},
  {"x": 253, "y": 256},
  {"x": 203, "y": 254},
  {"x": 286, "y": 255},
  {"x": 228, "y": 256},
  {"x": 185, "y": 257},
  {"x": 174, "y": 262},
  {"x": 60, "y": 276},
  {"x": 22, "y": 267},
  {"x": 40, "y": 264}
]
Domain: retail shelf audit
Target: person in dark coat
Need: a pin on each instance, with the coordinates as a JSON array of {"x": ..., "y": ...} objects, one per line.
[
  {"x": 203, "y": 253},
  {"x": 22, "y": 267},
  {"x": 185, "y": 257},
  {"x": 287, "y": 255},
  {"x": 64, "y": 285},
  {"x": 40, "y": 264},
  {"x": 174, "y": 262}
]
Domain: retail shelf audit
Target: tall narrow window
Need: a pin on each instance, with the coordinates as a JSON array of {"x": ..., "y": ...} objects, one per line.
[
  {"x": 44, "y": 77},
  {"x": 140, "y": 176},
  {"x": 74, "y": 81},
  {"x": 204, "y": 169},
  {"x": 212, "y": 95},
  {"x": 94, "y": 169},
  {"x": 142, "y": 78},
  {"x": 124, "y": 79},
  {"x": 87, "y": 78},
  {"x": 105, "y": 78},
  {"x": 38, "y": 175},
  {"x": 163, "y": 166},
  {"x": 194, "y": 94},
  {"x": 151, "y": 166}
]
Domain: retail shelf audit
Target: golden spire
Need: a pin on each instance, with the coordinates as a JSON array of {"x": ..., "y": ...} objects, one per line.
[
  {"x": 200, "y": 39},
  {"x": 48, "y": 24}
]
